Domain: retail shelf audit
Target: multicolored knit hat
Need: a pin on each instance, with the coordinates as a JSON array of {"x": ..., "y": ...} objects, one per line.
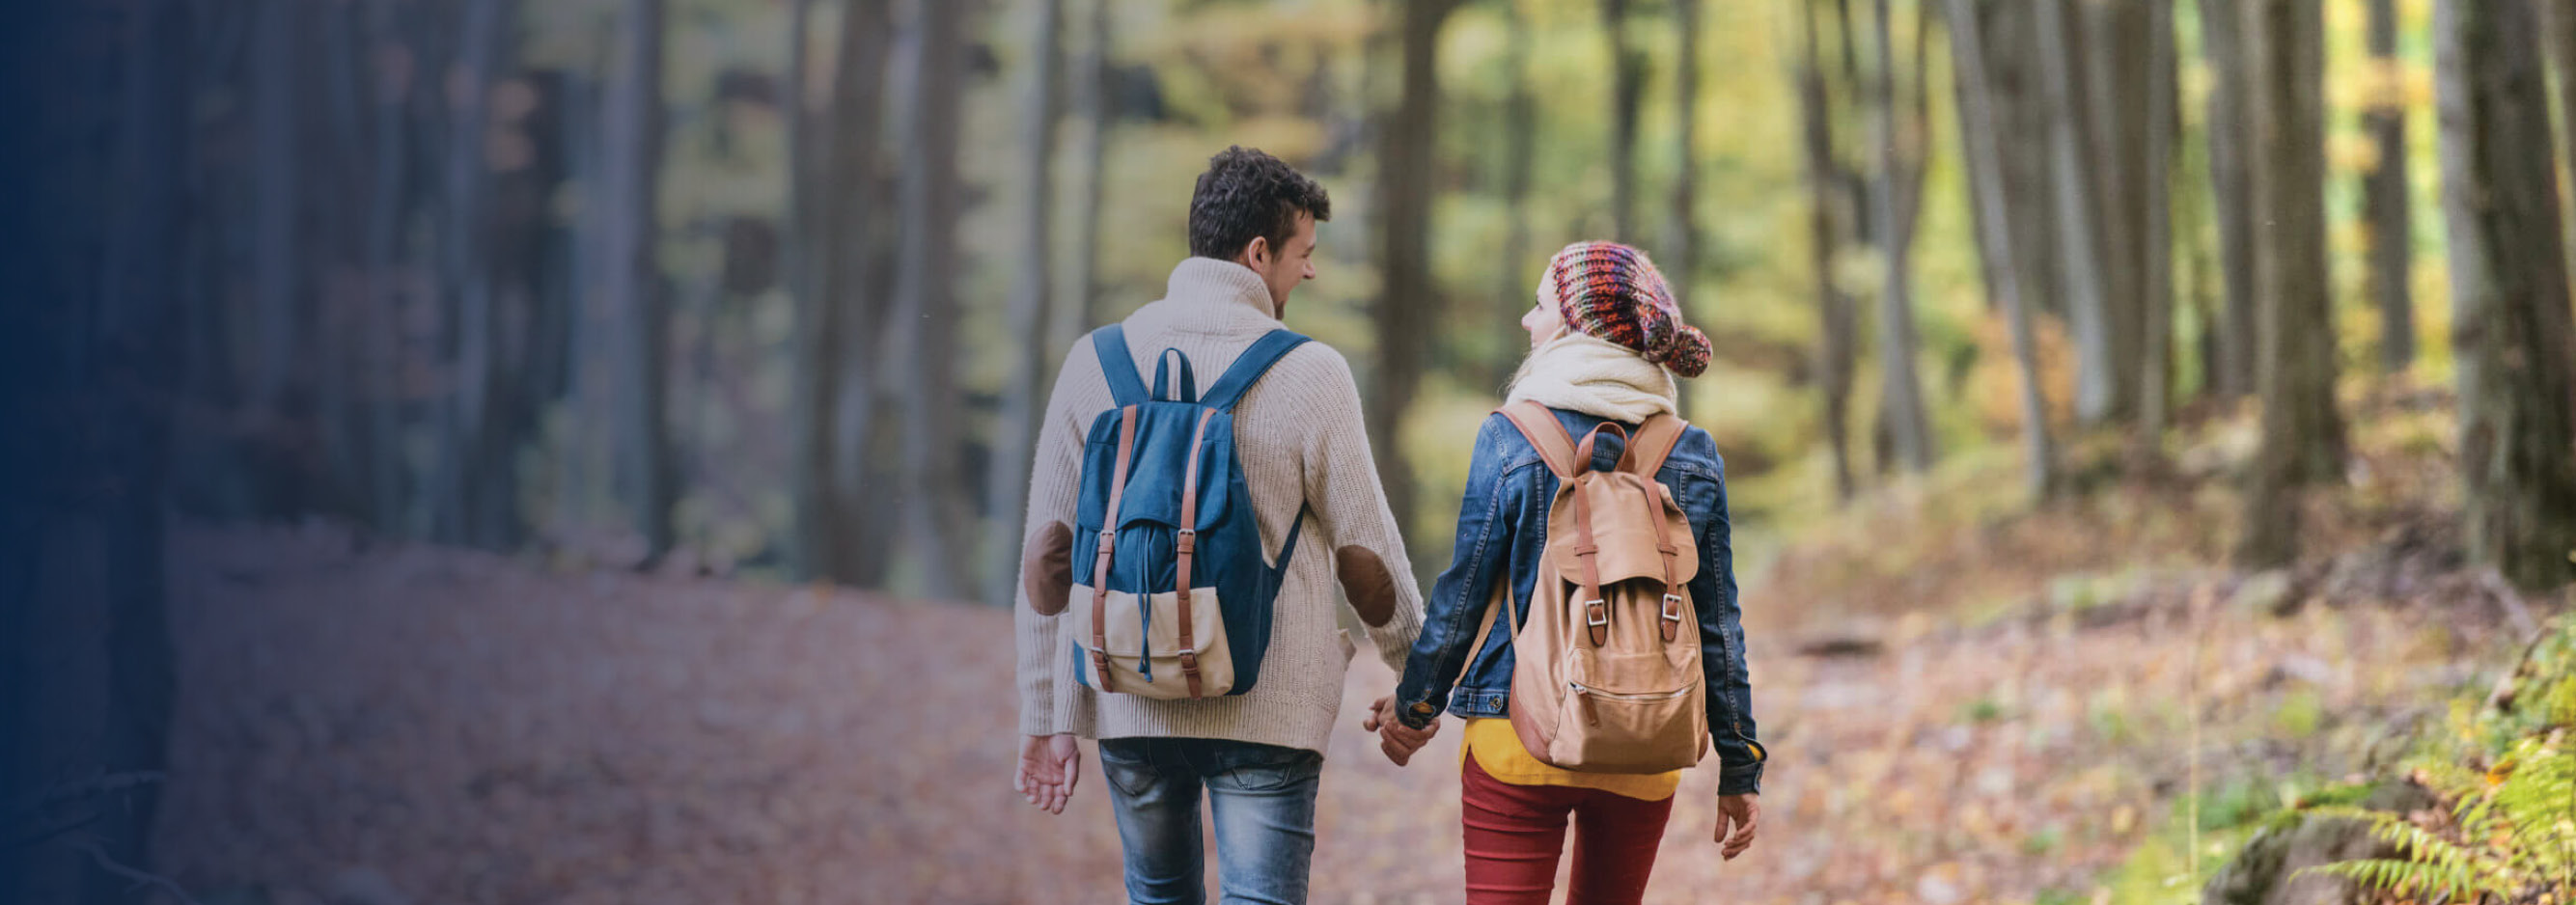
[{"x": 1613, "y": 292}]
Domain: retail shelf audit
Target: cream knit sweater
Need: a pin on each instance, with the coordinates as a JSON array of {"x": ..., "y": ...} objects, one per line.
[{"x": 1298, "y": 435}]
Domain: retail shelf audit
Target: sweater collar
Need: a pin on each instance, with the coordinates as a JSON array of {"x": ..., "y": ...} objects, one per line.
[{"x": 1219, "y": 282}]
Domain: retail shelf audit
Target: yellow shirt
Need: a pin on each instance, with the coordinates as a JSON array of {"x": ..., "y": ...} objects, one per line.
[{"x": 1498, "y": 749}]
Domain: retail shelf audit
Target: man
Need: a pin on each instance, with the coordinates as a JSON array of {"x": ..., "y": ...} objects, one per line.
[{"x": 1298, "y": 436}]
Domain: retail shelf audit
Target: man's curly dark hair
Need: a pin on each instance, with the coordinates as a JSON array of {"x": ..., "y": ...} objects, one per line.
[{"x": 1246, "y": 193}]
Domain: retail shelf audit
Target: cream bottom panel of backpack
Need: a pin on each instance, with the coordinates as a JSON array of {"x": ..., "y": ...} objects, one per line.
[{"x": 1147, "y": 640}]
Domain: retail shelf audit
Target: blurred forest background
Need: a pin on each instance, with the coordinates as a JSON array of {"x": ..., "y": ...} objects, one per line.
[
  {"x": 2085, "y": 330},
  {"x": 777, "y": 285}
]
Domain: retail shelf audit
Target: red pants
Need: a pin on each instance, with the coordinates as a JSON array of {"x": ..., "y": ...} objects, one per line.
[{"x": 1515, "y": 834}]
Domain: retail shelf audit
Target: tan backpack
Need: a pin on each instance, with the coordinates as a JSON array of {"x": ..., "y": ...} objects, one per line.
[{"x": 1607, "y": 674}]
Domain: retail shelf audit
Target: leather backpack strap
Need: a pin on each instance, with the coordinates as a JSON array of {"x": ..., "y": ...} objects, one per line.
[
  {"x": 1673, "y": 610},
  {"x": 1539, "y": 425},
  {"x": 1645, "y": 456},
  {"x": 1596, "y": 610},
  {"x": 1108, "y": 548},
  {"x": 1187, "y": 543}
]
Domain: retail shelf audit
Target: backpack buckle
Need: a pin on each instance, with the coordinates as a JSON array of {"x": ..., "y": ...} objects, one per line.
[
  {"x": 1673, "y": 606},
  {"x": 1187, "y": 540},
  {"x": 1594, "y": 613}
]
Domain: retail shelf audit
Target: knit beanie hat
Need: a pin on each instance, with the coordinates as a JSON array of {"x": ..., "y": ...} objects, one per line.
[{"x": 1613, "y": 292}]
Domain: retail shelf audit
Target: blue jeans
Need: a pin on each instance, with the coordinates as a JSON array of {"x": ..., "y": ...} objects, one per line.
[{"x": 1264, "y": 799}]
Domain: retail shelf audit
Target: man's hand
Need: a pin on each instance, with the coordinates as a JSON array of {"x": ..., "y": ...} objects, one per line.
[
  {"x": 1744, "y": 812},
  {"x": 1397, "y": 740},
  {"x": 1049, "y": 767}
]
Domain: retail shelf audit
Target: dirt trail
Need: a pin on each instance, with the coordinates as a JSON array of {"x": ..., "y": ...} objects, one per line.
[{"x": 454, "y": 727}]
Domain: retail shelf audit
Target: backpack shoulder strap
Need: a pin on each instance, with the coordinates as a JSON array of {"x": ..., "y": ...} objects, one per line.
[
  {"x": 1247, "y": 368},
  {"x": 1536, "y": 422},
  {"x": 1117, "y": 364},
  {"x": 1653, "y": 444},
  {"x": 1502, "y": 603}
]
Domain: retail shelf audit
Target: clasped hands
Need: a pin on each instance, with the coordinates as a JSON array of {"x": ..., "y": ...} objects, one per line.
[
  {"x": 1396, "y": 739},
  {"x": 1737, "y": 814}
]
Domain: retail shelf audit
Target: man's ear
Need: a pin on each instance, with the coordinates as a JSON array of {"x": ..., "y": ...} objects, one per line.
[{"x": 1255, "y": 250}]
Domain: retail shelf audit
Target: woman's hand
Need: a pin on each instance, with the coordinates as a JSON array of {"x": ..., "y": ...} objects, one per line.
[
  {"x": 1744, "y": 812},
  {"x": 1049, "y": 767},
  {"x": 1397, "y": 740}
]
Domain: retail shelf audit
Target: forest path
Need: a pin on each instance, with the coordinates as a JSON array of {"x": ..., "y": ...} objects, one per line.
[{"x": 463, "y": 728}]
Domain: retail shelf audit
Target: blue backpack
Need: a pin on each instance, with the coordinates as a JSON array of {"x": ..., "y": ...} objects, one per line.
[{"x": 1172, "y": 595}]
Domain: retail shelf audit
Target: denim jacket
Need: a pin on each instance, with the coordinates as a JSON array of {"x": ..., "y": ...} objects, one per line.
[{"x": 1502, "y": 526}]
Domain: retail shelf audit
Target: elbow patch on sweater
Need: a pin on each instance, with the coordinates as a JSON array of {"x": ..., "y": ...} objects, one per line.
[
  {"x": 1047, "y": 568},
  {"x": 1367, "y": 583}
]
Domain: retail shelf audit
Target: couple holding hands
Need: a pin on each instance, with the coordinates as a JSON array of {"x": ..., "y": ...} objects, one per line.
[{"x": 1156, "y": 617}]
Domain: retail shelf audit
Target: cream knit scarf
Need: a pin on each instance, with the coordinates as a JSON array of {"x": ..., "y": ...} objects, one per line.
[{"x": 1580, "y": 372}]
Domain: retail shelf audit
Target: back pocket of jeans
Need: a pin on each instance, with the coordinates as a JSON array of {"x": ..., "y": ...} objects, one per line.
[
  {"x": 1131, "y": 774},
  {"x": 1270, "y": 771}
]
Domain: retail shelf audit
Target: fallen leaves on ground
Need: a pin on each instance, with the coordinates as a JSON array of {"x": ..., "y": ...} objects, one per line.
[{"x": 459, "y": 727}]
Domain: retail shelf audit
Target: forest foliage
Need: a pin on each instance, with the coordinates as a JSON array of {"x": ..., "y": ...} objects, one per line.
[{"x": 789, "y": 231}]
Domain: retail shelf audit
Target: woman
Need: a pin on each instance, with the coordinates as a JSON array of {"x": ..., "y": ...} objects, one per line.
[{"x": 1606, "y": 342}]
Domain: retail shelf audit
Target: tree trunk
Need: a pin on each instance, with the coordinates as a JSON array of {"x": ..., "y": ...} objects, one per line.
[
  {"x": 633, "y": 278},
  {"x": 1627, "y": 86},
  {"x": 1981, "y": 224},
  {"x": 2201, "y": 282},
  {"x": 1901, "y": 390},
  {"x": 1985, "y": 164},
  {"x": 2080, "y": 243},
  {"x": 585, "y": 476},
  {"x": 814, "y": 353},
  {"x": 1409, "y": 303},
  {"x": 342, "y": 320},
  {"x": 857, "y": 289},
  {"x": 2558, "y": 45},
  {"x": 1093, "y": 106},
  {"x": 2027, "y": 118},
  {"x": 2020, "y": 114},
  {"x": 2510, "y": 320},
  {"x": 1826, "y": 183},
  {"x": 278, "y": 288},
  {"x": 2385, "y": 206},
  {"x": 2155, "y": 267},
  {"x": 477, "y": 490},
  {"x": 2302, "y": 436},
  {"x": 1685, "y": 231},
  {"x": 933, "y": 492},
  {"x": 1517, "y": 283},
  {"x": 2114, "y": 85},
  {"x": 2231, "y": 134},
  {"x": 388, "y": 208},
  {"x": 1006, "y": 481},
  {"x": 86, "y": 665}
]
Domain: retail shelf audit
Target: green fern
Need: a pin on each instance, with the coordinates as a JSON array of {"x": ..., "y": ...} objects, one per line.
[
  {"x": 2412, "y": 878},
  {"x": 2432, "y": 864},
  {"x": 2512, "y": 833}
]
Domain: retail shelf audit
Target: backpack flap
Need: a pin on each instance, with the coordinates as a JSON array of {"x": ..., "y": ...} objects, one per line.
[
  {"x": 1164, "y": 432},
  {"x": 1632, "y": 518}
]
